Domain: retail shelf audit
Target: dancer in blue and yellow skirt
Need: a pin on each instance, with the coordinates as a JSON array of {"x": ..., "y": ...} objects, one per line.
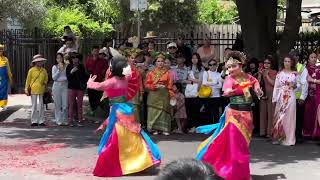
[
  {"x": 5, "y": 78},
  {"x": 124, "y": 147}
]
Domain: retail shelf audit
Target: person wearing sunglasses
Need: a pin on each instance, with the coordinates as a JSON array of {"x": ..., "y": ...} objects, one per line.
[{"x": 213, "y": 79}]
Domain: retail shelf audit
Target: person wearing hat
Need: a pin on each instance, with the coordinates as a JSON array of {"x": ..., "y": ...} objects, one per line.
[
  {"x": 35, "y": 87},
  {"x": 172, "y": 49},
  {"x": 5, "y": 78},
  {"x": 150, "y": 36}
]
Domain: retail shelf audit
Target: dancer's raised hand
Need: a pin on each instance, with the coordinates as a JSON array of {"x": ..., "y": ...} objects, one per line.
[{"x": 92, "y": 78}]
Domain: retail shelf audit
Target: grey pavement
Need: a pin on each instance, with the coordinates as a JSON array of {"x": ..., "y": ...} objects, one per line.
[{"x": 54, "y": 153}]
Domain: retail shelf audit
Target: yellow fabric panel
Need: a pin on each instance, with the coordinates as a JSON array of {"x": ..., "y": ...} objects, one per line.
[
  {"x": 134, "y": 155},
  {"x": 241, "y": 128},
  {"x": 3, "y": 103},
  {"x": 203, "y": 144},
  {"x": 38, "y": 84}
]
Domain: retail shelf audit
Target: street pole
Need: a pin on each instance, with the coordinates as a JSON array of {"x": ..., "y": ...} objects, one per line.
[{"x": 139, "y": 23}]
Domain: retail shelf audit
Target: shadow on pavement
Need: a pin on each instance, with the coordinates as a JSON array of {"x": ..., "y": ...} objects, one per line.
[
  {"x": 191, "y": 137},
  {"x": 272, "y": 155},
  {"x": 10, "y": 110},
  {"x": 269, "y": 177},
  {"x": 77, "y": 137}
]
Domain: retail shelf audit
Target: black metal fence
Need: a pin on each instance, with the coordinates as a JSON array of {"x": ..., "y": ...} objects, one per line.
[{"x": 21, "y": 45}]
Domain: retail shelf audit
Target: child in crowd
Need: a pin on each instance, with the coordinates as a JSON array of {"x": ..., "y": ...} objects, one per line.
[{"x": 180, "y": 114}]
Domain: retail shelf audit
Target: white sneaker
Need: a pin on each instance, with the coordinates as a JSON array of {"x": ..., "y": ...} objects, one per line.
[
  {"x": 275, "y": 142},
  {"x": 4, "y": 108},
  {"x": 166, "y": 133}
]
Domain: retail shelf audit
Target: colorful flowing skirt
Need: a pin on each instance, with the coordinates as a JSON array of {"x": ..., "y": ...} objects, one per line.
[
  {"x": 227, "y": 149},
  {"x": 124, "y": 147}
]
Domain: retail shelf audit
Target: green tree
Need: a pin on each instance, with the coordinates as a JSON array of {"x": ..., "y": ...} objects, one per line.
[
  {"x": 181, "y": 13},
  {"x": 213, "y": 12},
  {"x": 80, "y": 23},
  {"x": 28, "y": 12}
]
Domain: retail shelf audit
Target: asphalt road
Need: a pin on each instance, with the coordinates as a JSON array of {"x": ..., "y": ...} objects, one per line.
[{"x": 54, "y": 153}]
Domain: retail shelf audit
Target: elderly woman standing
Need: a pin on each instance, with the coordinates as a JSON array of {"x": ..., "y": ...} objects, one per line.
[
  {"x": 159, "y": 84},
  {"x": 36, "y": 83},
  {"x": 5, "y": 78}
]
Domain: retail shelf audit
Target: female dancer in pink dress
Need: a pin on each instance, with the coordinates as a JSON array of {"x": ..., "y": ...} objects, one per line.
[
  {"x": 227, "y": 150},
  {"x": 124, "y": 147}
]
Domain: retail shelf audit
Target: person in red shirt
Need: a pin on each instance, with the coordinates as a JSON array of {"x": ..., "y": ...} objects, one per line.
[{"x": 95, "y": 66}]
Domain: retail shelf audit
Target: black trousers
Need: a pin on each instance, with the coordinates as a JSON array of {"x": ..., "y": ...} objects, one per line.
[
  {"x": 144, "y": 108},
  {"x": 94, "y": 98},
  {"x": 212, "y": 109},
  {"x": 224, "y": 102},
  {"x": 299, "y": 120},
  {"x": 256, "y": 115},
  {"x": 193, "y": 112}
]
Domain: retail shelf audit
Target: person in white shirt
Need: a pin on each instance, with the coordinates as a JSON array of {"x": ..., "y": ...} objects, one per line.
[
  {"x": 212, "y": 78},
  {"x": 70, "y": 45},
  {"x": 60, "y": 91}
]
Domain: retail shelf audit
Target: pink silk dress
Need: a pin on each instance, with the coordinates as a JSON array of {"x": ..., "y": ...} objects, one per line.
[
  {"x": 227, "y": 149},
  {"x": 124, "y": 147},
  {"x": 285, "y": 112}
]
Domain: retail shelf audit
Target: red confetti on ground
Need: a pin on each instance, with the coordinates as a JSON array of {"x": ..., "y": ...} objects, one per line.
[
  {"x": 62, "y": 171},
  {"x": 25, "y": 155},
  {"x": 33, "y": 148}
]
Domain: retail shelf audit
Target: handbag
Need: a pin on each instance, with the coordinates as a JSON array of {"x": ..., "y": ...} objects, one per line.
[
  {"x": 205, "y": 91},
  {"x": 47, "y": 97},
  {"x": 191, "y": 90}
]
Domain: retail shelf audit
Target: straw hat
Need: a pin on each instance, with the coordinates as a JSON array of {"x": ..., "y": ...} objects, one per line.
[
  {"x": 38, "y": 58},
  {"x": 150, "y": 34}
]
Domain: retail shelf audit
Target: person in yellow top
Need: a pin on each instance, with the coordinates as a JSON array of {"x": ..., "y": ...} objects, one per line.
[
  {"x": 36, "y": 83},
  {"x": 5, "y": 78}
]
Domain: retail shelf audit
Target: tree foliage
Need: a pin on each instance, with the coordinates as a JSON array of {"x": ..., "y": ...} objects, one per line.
[
  {"x": 28, "y": 12},
  {"x": 182, "y": 13},
  {"x": 213, "y": 12},
  {"x": 80, "y": 23}
]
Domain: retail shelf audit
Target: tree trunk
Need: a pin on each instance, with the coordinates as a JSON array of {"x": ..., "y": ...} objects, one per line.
[
  {"x": 291, "y": 27},
  {"x": 258, "y": 25}
]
